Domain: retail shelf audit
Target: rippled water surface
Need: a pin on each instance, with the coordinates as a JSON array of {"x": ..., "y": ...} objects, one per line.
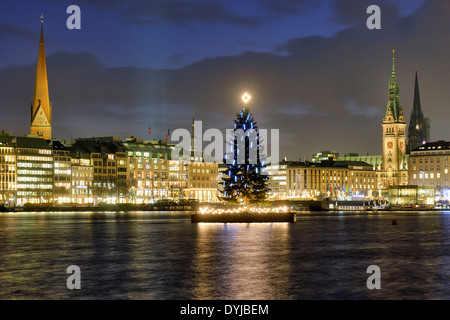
[{"x": 162, "y": 255}]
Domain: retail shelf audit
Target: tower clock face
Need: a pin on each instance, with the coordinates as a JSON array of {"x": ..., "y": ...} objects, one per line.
[
  {"x": 389, "y": 145},
  {"x": 40, "y": 119}
]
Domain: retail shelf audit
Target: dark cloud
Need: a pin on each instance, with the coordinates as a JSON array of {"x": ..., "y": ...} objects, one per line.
[
  {"x": 350, "y": 11},
  {"x": 7, "y": 29},
  {"x": 286, "y": 7},
  {"x": 322, "y": 93},
  {"x": 180, "y": 12}
]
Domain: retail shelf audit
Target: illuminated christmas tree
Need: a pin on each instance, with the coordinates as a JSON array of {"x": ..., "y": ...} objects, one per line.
[{"x": 244, "y": 180}]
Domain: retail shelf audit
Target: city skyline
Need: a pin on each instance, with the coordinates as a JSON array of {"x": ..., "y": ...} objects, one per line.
[{"x": 291, "y": 87}]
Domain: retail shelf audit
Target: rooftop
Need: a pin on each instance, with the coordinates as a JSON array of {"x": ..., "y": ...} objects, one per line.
[{"x": 433, "y": 146}]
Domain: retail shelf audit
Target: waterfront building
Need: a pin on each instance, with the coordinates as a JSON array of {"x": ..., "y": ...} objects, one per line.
[
  {"x": 395, "y": 166},
  {"x": 110, "y": 162},
  {"x": 62, "y": 173},
  {"x": 308, "y": 180},
  {"x": 82, "y": 179},
  {"x": 148, "y": 171},
  {"x": 277, "y": 183},
  {"x": 7, "y": 171},
  {"x": 411, "y": 196},
  {"x": 34, "y": 160},
  {"x": 41, "y": 108},
  {"x": 419, "y": 126},
  {"x": 203, "y": 176},
  {"x": 428, "y": 165},
  {"x": 203, "y": 181}
]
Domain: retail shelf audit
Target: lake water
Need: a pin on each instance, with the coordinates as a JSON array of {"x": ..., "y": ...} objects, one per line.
[{"x": 162, "y": 255}]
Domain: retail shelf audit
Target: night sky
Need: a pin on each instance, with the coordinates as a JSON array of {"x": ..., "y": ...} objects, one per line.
[{"x": 313, "y": 68}]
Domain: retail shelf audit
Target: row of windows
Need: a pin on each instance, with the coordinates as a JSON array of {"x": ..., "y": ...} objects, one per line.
[
  {"x": 7, "y": 168},
  {"x": 153, "y": 155},
  {"x": 7, "y": 185},
  {"x": 34, "y": 179},
  {"x": 430, "y": 176},
  {"x": 104, "y": 163},
  {"x": 204, "y": 178},
  {"x": 35, "y": 158},
  {"x": 7, "y": 159},
  {"x": 7, "y": 150},
  {"x": 34, "y": 165},
  {"x": 62, "y": 165},
  {"x": 81, "y": 162},
  {"x": 33, "y": 186},
  {"x": 33, "y": 194},
  {"x": 82, "y": 174},
  {"x": 425, "y": 168},
  {"x": 334, "y": 173},
  {"x": 204, "y": 171},
  {"x": 147, "y": 166},
  {"x": 35, "y": 172},
  {"x": 62, "y": 159},
  {"x": 58, "y": 171},
  {"x": 34, "y": 151},
  {"x": 203, "y": 185},
  {"x": 430, "y": 159},
  {"x": 105, "y": 171},
  {"x": 82, "y": 183}
]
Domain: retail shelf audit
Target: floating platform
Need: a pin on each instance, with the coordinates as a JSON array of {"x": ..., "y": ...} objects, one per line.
[{"x": 243, "y": 217}]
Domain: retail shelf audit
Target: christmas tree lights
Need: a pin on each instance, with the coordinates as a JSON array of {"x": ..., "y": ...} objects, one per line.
[{"x": 244, "y": 181}]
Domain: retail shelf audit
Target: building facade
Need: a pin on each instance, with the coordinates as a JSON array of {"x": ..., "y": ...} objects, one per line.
[
  {"x": 110, "y": 163},
  {"x": 428, "y": 165},
  {"x": 149, "y": 171},
  {"x": 34, "y": 160},
  {"x": 82, "y": 180},
  {"x": 8, "y": 172},
  {"x": 329, "y": 178},
  {"x": 62, "y": 173}
]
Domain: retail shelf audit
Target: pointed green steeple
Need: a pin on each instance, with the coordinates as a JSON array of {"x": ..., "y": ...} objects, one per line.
[{"x": 394, "y": 104}]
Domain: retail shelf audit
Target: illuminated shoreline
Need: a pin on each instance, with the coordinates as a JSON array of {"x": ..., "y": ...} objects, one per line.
[{"x": 243, "y": 215}]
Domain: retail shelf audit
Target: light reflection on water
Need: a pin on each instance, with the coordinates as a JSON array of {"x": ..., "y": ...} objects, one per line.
[
  {"x": 162, "y": 255},
  {"x": 246, "y": 261}
]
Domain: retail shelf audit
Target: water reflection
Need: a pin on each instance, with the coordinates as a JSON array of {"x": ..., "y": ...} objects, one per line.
[
  {"x": 241, "y": 261},
  {"x": 155, "y": 255}
]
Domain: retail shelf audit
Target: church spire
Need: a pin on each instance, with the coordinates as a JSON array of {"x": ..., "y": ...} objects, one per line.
[
  {"x": 394, "y": 109},
  {"x": 393, "y": 77},
  {"x": 416, "y": 105},
  {"x": 419, "y": 126},
  {"x": 41, "y": 111}
]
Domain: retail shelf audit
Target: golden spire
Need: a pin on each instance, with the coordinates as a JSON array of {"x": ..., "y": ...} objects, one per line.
[
  {"x": 393, "y": 54},
  {"x": 41, "y": 112}
]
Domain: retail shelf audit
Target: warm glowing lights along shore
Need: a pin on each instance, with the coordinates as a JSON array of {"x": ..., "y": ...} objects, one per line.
[
  {"x": 244, "y": 214},
  {"x": 208, "y": 210}
]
